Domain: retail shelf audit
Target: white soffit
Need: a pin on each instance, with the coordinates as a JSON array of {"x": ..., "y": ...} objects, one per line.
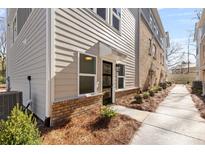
[{"x": 109, "y": 52}]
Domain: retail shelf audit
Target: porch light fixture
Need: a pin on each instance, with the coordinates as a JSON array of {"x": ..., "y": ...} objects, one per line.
[{"x": 88, "y": 58}]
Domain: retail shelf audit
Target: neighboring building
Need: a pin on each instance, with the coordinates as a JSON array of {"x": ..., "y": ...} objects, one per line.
[
  {"x": 80, "y": 58},
  {"x": 199, "y": 37},
  {"x": 183, "y": 73},
  {"x": 153, "y": 43}
]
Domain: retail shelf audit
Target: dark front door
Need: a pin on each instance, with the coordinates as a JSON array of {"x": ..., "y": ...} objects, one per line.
[{"x": 107, "y": 82}]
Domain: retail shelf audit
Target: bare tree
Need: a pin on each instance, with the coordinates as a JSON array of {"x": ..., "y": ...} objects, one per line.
[
  {"x": 3, "y": 46},
  {"x": 197, "y": 14},
  {"x": 174, "y": 55}
]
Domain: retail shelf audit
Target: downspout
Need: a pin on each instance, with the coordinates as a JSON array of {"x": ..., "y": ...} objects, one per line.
[
  {"x": 137, "y": 47},
  {"x": 48, "y": 68}
]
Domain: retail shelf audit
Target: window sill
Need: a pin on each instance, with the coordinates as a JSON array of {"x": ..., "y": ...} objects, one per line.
[
  {"x": 89, "y": 95},
  {"x": 125, "y": 89}
]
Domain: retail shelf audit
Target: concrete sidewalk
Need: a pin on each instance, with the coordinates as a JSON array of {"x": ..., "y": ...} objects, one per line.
[{"x": 176, "y": 121}]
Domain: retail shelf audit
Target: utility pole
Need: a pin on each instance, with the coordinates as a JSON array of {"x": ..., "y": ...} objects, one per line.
[{"x": 188, "y": 52}]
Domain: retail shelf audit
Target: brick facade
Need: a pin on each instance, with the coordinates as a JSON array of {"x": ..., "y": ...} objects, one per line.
[
  {"x": 147, "y": 60},
  {"x": 125, "y": 95},
  {"x": 65, "y": 110}
]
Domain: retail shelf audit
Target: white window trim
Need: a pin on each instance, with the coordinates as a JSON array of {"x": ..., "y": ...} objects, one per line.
[
  {"x": 154, "y": 54},
  {"x": 15, "y": 17},
  {"x": 118, "y": 17},
  {"x": 25, "y": 21},
  {"x": 119, "y": 76},
  {"x": 86, "y": 74}
]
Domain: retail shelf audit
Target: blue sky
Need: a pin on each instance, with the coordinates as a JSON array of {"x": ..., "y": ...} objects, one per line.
[
  {"x": 179, "y": 23},
  {"x": 2, "y": 12}
]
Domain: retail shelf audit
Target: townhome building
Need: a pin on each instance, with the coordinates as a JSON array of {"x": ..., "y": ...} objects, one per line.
[
  {"x": 79, "y": 59},
  {"x": 153, "y": 43},
  {"x": 200, "y": 49}
]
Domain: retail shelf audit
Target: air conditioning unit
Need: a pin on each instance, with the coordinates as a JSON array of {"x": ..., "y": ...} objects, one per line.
[{"x": 7, "y": 101}]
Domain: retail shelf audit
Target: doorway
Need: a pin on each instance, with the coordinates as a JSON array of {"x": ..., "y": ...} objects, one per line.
[{"x": 107, "y": 82}]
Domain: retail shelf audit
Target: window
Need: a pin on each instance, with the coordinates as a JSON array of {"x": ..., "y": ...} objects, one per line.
[
  {"x": 204, "y": 51},
  {"x": 154, "y": 51},
  {"x": 14, "y": 29},
  {"x": 102, "y": 12},
  {"x": 116, "y": 18},
  {"x": 111, "y": 16},
  {"x": 150, "y": 46},
  {"x": 121, "y": 76},
  {"x": 150, "y": 17},
  {"x": 22, "y": 16},
  {"x": 87, "y": 74}
]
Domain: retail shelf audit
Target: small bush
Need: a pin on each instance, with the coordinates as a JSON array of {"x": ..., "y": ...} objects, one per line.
[
  {"x": 138, "y": 98},
  {"x": 151, "y": 92},
  {"x": 2, "y": 80},
  {"x": 159, "y": 88},
  {"x": 19, "y": 129},
  {"x": 107, "y": 112},
  {"x": 196, "y": 91},
  {"x": 197, "y": 87},
  {"x": 154, "y": 89},
  {"x": 163, "y": 85},
  {"x": 169, "y": 83},
  {"x": 146, "y": 95}
]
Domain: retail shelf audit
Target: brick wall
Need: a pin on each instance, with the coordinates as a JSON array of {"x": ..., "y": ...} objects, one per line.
[
  {"x": 146, "y": 59},
  {"x": 125, "y": 95},
  {"x": 65, "y": 110}
]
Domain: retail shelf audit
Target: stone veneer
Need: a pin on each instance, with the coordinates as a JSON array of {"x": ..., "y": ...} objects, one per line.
[
  {"x": 126, "y": 95},
  {"x": 64, "y": 110}
]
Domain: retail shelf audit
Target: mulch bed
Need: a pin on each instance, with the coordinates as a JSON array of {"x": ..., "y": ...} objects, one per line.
[
  {"x": 149, "y": 104},
  {"x": 199, "y": 102},
  {"x": 92, "y": 129}
]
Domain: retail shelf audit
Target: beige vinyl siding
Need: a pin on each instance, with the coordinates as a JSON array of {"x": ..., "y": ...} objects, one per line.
[
  {"x": 29, "y": 59},
  {"x": 79, "y": 30}
]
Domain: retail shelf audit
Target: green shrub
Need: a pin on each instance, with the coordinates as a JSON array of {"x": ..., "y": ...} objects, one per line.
[
  {"x": 163, "y": 85},
  {"x": 159, "y": 88},
  {"x": 169, "y": 83},
  {"x": 2, "y": 80},
  {"x": 197, "y": 87},
  {"x": 146, "y": 95},
  {"x": 138, "y": 98},
  {"x": 196, "y": 91},
  {"x": 154, "y": 89},
  {"x": 151, "y": 92},
  {"x": 19, "y": 129},
  {"x": 107, "y": 112}
]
